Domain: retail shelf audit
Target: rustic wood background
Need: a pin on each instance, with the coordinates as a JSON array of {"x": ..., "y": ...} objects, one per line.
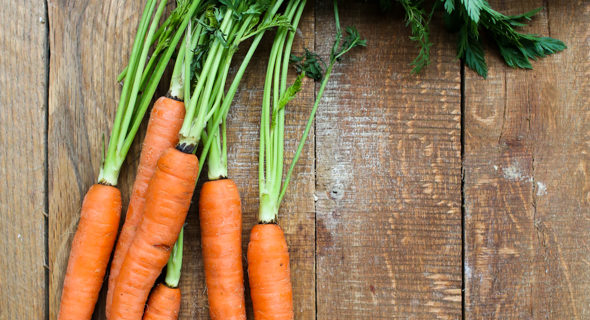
[{"x": 431, "y": 196}]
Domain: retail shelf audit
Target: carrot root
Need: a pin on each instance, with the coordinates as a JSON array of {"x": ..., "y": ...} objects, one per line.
[
  {"x": 162, "y": 133},
  {"x": 164, "y": 304},
  {"x": 269, "y": 274},
  {"x": 90, "y": 253},
  {"x": 221, "y": 241},
  {"x": 167, "y": 202}
]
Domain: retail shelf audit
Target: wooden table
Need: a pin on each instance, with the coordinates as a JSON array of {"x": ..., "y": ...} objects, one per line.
[{"x": 433, "y": 196}]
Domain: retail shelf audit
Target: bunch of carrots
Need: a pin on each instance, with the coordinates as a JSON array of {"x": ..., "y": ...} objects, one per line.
[{"x": 204, "y": 37}]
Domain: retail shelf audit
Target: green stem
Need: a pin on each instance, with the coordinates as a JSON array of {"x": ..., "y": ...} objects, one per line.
[
  {"x": 155, "y": 78},
  {"x": 193, "y": 124},
  {"x": 175, "y": 262},
  {"x": 266, "y": 143},
  {"x": 283, "y": 88},
  {"x": 109, "y": 171},
  {"x": 122, "y": 75},
  {"x": 187, "y": 61},
  {"x": 307, "y": 129},
  {"x": 217, "y": 161},
  {"x": 228, "y": 99},
  {"x": 272, "y": 134},
  {"x": 177, "y": 78},
  {"x": 138, "y": 74}
]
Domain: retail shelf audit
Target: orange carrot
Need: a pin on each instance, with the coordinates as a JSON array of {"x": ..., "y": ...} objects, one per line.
[
  {"x": 162, "y": 133},
  {"x": 220, "y": 215},
  {"x": 99, "y": 222},
  {"x": 90, "y": 253},
  {"x": 168, "y": 199},
  {"x": 269, "y": 273},
  {"x": 164, "y": 304}
]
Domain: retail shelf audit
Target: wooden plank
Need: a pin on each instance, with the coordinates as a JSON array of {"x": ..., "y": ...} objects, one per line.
[
  {"x": 388, "y": 175},
  {"x": 527, "y": 194},
  {"x": 23, "y": 111},
  {"x": 90, "y": 43},
  {"x": 297, "y": 216}
]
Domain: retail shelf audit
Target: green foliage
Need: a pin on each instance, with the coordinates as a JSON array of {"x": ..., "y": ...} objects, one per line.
[
  {"x": 517, "y": 48},
  {"x": 471, "y": 50},
  {"x": 309, "y": 63},
  {"x": 467, "y": 18},
  {"x": 277, "y": 21},
  {"x": 351, "y": 40},
  {"x": 287, "y": 96},
  {"x": 473, "y": 8},
  {"x": 449, "y": 5}
]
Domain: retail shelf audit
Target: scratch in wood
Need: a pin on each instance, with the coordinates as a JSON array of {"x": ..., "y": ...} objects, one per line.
[{"x": 505, "y": 107}]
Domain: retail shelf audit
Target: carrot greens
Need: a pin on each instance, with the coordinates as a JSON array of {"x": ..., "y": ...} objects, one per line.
[
  {"x": 135, "y": 97},
  {"x": 467, "y": 19},
  {"x": 272, "y": 189},
  {"x": 199, "y": 77},
  {"x": 214, "y": 139},
  {"x": 220, "y": 30}
]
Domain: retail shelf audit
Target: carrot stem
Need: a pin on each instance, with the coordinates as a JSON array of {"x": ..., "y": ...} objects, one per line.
[
  {"x": 306, "y": 131},
  {"x": 217, "y": 161},
  {"x": 175, "y": 262},
  {"x": 228, "y": 99},
  {"x": 272, "y": 128},
  {"x": 141, "y": 82},
  {"x": 138, "y": 75},
  {"x": 177, "y": 79},
  {"x": 195, "y": 121},
  {"x": 157, "y": 75},
  {"x": 109, "y": 171}
]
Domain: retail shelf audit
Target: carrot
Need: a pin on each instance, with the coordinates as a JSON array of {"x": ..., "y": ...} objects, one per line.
[
  {"x": 171, "y": 187},
  {"x": 164, "y": 301},
  {"x": 269, "y": 273},
  {"x": 268, "y": 256},
  {"x": 164, "y": 304},
  {"x": 221, "y": 241},
  {"x": 220, "y": 206},
  {"x": 162, "y": 133},
  {"x": 91, "y": 250},
  {"x": 99, "y": 219},
  {"x": 168, "y": 199}
]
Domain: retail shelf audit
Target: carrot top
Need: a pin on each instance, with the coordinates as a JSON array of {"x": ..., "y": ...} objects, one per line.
[
  {"x": 141, "y": 78},
  {"x": 203, "y": 64},
  {"x": 209, "y": 47},
  {"x": 216, "y": 141},
  {"x": 272, "y": 189}
]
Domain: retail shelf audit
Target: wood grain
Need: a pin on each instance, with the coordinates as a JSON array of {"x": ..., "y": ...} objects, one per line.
[
  {"x": 527, "y": 191},
  {"x": 388, "y": 175},
  {"x": 90, "y": 43},
  {"x": 297, "y": 212},
  {"x": 23, "y": 111}
]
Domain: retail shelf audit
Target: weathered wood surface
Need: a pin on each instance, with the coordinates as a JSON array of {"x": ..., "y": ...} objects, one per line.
[
  {"x": 23, "y": 115},
  {"x": 527, "y": 184},
  {"x": 388, "y": 176},
  {"x": 383, "y": 239}
]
